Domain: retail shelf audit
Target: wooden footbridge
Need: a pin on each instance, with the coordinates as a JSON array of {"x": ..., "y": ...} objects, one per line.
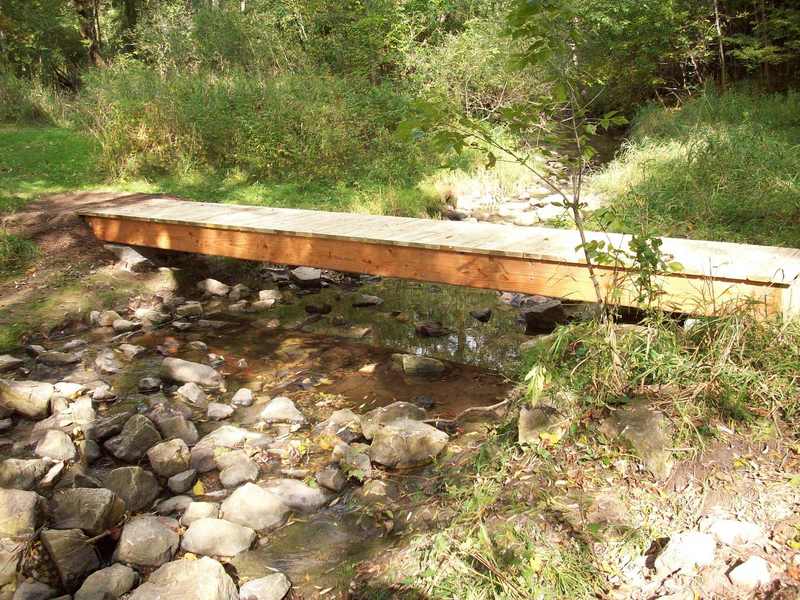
[{"x": 503, "y": 257}]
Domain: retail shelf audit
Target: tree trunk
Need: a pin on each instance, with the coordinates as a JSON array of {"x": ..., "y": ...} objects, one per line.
[
  {"x": 721, "y": 46},
  {"x": 89, "y": 29}
]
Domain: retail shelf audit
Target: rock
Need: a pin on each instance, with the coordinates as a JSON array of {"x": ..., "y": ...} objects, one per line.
[
  {"x": 150, "y": 317},
  {"x": 219, "y": 412},
  {"x": 148, "y": 541},
  {"x": 212, "y": 287},
  {"x": 94, "y": 510},
  {"x": 73, "y": 554},
  {"x": 344, "y": 424},
  {"x": 149, "y": 385},
  {"x": 685, "y": 553},
  {"x": 306, "y": 277},
  {"x": 34, "y": 590},
  {"x": 69, "y": 390},
  {"x": 114, "y": 581},
  {"x": 331, "y": 477},
  {"x": 102, "y": 392},
  {"x": 238, "y": 292},
  {"x": 734, "y": 533},
  {"x": 198, "y": 345},
  {"x": 6, "y": 424},
  {"x": 355, "y": 463},
  {"x": 184, "y": 371},
  {"x": 255, "y": 507},
  {"x": 242, "y": 397},
  {"x": 107, "y": 318},
  {"x": 227, "y": 436},
  {"x": 182, "y": 482},
  {"x": 431, "y": 329},
  {"x": 271, "y": 587},
  {"x": 270, "y": 296},
  {"x": 136, "y": 438},
  {"x": 174, "y": 505},
  {"x": 22, "y": 474},
  {"x": 199, "y": 510},
  {"x": 374, "y": 419},
  {"x": 190, "y": 309},
  {"x": 406, "y": 443},
  {"x": 484, "y": 315},
  {"x": 544, "y": 316},
  {"x": 418, "y": 366},
  {"x": 648, "y": 433},
  {"x": 129, "y": 259},
  {"x": 203, "y": 579},
  {"x": 9, "y": 363},
  {"x": 297, "y": 495},
  {"x": 106, "y": 362},
  {"x": 132, "y": 351},
  {"x": 28, "y": 398},
  {"x": 56, "y": 445},
  {"x": 89, "y": 451},
  {"x": 137, "y": 488},
  {"x": 176, "y": 426},
  {"x": 537, "y": 420},
  {"x": 125, "y": 326},
  {"x": 169, "y": 458},
  {"x": 217, "y": 537},
  {"x": 106, "y": 427},
  {"x": 364, "y": 300},
  {"x": 751, "y": 574},
  {"x": 20, "y": 513},
  {"x": 282, "y": 410},
  {"x": 239, "y": 472},
  {"x": 54, "y": 358},
  {"x": 52, "y": 475}
]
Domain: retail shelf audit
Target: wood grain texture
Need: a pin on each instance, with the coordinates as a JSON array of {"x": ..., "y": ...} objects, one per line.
[{"x": 684, "y": 293}]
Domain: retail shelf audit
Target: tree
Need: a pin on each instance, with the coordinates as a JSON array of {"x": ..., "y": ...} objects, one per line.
[{"x": 88, "y": 12}]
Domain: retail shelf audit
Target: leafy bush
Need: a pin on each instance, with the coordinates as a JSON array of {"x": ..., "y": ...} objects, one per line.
[
  {"x": 720, "y": 167},
  {"x": 289, "y": 127}
]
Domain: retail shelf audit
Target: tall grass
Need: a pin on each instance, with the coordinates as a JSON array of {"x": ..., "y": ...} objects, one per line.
[
  {"x": 15, "y": 253},
  {"x": 30, "y": 101},
  {"x": 723, "y": 167}
]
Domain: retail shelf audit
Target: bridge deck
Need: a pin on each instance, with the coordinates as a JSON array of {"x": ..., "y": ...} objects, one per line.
[{"x": 524, "y": 259}]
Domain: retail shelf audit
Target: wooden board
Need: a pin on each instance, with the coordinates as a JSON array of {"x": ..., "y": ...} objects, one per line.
[{"x": 524, "y": 259}]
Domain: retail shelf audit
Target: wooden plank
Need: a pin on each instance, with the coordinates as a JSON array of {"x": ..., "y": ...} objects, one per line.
[{"x": 685, "y": 293}]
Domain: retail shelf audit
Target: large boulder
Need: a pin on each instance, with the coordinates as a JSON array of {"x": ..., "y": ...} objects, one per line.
[
  {"x": 94, "y": 510},
  {"x": 374, "y": 419},
  {"x": 217, "y": 537},
  {"x": 184, "y": 371},
  {"x": 23, "y": 474},
  {"x": 114, "y": 581},
  {"x": 297, "y": 495},
  {"x": 169, "y": 458},
  {"x": 20, "y": 512},
  {"x": 148, "y": 541},
  {"x": 406, "y": 443},
  {"x": 203, "y": 579},
  {"x": 28, "y": 398},
  {"x": 137, "y": 488},
  {"x": 72, "y": 553},
  {"x": 136, "y": 438},
  {"x": 255, "y": 507}
]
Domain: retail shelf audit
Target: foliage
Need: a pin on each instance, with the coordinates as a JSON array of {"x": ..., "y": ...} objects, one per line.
[
  {"x": 720, "y": 167},
  {"x": 26, "y": 101},
  {"x": 15, "y": 253}
]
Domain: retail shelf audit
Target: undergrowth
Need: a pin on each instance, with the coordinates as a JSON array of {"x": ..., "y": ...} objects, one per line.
[{"x": 15, "y": 253}]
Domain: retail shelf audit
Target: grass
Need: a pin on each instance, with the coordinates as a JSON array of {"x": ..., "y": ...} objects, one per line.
[{"x": 719, "y": 167}]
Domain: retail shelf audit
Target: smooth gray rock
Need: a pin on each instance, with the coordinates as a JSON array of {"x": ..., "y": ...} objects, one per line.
[
  {"x": 149, "y": 384},
  {"x": 344, "y": 424},
  {"x": 23, "y": 474},
  {"x": 751, "y": 574},
  {"x": 271, "y": 587},
  {"x": 242, "y": 397},
  {"x": 124, "y": 326},
  {"x": 364, "y": 300},
  {"x": 20, "y": 513},
  {"x": 73, "y": 554},
  {"x": 217, "y": 537},
  {"x": 129, "y": 259},
  {"x": 374, "y": 419},
  {"x": 34, "y": 590},
  {"x": 173, "y": 506},
  {"x": 227, "y": 436},
  {"x": 199, "y": 510},
  {"x": 169, "y": 458},
  {"x": 94, "y": 510},
  {"x": 190, "y": 309},
  {"x": 107, "y": 362},
  {"x": 306, "y": 277},
  {"x": 105, "y": 427},
  {"x": 686, "y": 552},
  {"x": 176, "y": 426},
  {"x": 148, "y": 541},
  {"x": 69, "y": 390},
  {"x": 182, "y": 482},
  {"x": 137, "y": 488},
  {"x": 297, "y": 495},
  {"x": 56, "y": 445},
  {"x": 132, "y": 351},
  {"x": 406, "y": 443},
  {"x": 9, "y": 363},
  {"x": 543, "y": 317},
  {"x": 212, "y": 287},
  {"x": 194, "y": 395},
  {"x": 114, "y": 581},
  {"x": 217, "y": 411},
  {"x": 418, "y": 366},
  {"x": 331, "y": 477},
  {"x": 54, "y": 358},
  {"x": 255, "y": 507},
  {"x": 184, "y": 371},
  {"x": 354, "y": 462},
  {"x": 203, "y": 579},
  {"x": 136, "y": 438},
  {"x": 28, "y": 398},
  {"x": 282, "y": 410}
]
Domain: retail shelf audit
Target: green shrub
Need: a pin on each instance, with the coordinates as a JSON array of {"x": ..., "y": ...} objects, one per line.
[
  {"x": 289, "y": 127},
  {"x": 28, "y": 101},
  {"x": 720, "y": 167}
]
